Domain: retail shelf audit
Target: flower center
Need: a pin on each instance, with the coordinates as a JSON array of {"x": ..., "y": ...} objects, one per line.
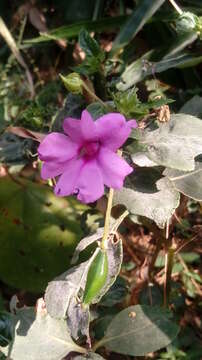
[{"x": 89, "y": 149}]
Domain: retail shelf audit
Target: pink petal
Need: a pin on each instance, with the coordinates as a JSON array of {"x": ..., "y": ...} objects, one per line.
[
  {"x": 113, "y": 130},
  {"x": 51, "y": 169},
  {"x": 88, "y": 127},
  {"x": 66, "y": 184},
  {"x": 114, "y": 169},
  {"x": 81, "y": 130},
  {"x": 57, "y": 148},
  {"x": 90, "y": 183},
  {"x": 72, "y": 127},
  {"x": 132, "y": 124}
]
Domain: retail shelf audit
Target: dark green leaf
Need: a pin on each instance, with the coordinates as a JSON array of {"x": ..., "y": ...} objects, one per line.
[
  {"x": 128, "y": 330},
  {"x": 70, "y": 31},
  {"x": 14, "y": 150},
  {"x": 116, "y": 293},
  {"x": 143, "y": 12},
  {"x": 90, "y": 45},
  {"x": 39, "y": 233},
  {"x": 180, "y": 43},
  {"x": 151, "y": 295},
  {"x": 73, "y": 106},
  {"x": 96, "y": 110}
]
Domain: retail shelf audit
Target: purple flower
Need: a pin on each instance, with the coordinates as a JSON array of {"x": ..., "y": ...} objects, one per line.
[{"x": 85, "y": 156}]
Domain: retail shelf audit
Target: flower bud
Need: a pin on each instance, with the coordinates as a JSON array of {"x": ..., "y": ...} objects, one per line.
[
  {"x": 186, "y": 22},
  {"x": 73, "y": 83}
]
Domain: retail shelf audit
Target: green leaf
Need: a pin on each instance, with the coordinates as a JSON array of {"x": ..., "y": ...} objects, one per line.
[
  {"x": 73, "y": 106},
  {"x": 60, "y": 290},
  {"x": 116, "y": 293},
  {"x": 96, "y": 110},
  {"x": 14, "y": 150},
  {"x": 174, "y": 144},
  {"x": 61, "y": 299},
  {"x": 63, "y": 292},
  {"x": 39, "y": 233},
  {"x": 128, "y": 330},
  {"x": 38, "y": 336},
  {"x": 6, "y": 328},
  {"x": 70, "y": 31},
  {"x": 151, "y": 295},
  {"x": 190, "y": 257},
  {"x": 148, "y": 194},
  {"x": 142, "y": 13},
  {"x": 89, "y": 45},
  {"x": 188, "y": 183},
  {"x": 128, "y": 103},
  {"x": 180, "y": 43},
  {"x": 140, "y": 68}
]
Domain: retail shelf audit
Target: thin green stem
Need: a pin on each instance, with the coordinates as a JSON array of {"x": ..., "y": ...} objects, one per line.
[
  {"x": 107, "y": 219},
  {"x": 109, "y": 108},
  {"x": 168, "y": 271}
]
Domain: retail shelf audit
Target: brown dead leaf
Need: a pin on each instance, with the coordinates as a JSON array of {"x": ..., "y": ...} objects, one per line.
[
  {"x": 25, "y": 133},
  {"x": 37, "y": 19}
]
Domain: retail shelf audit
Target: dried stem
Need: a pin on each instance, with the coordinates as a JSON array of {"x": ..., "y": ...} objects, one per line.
[{"x": 177, "y": 8}]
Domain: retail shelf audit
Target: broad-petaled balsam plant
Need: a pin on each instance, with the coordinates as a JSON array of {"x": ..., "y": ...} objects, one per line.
[{"x": 159, "y": 159}]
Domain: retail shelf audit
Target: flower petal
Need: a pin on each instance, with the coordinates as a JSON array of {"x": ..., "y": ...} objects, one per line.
[
  {"x": 114, "y": 169},
  {"x": 81, "y": 130},
  {"x": 57, "y": 148},
  {"x": 72, "y": 127},
  {"x": 88, "y": 127},
  {"x": 90, "y": 183},
  {"x": 66, "y": 184},
  {"x": 113, "y": 130},
  {"x": 51, "y": 169}
]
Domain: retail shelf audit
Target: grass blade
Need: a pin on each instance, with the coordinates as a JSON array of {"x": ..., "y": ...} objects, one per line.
[{"x": 135, "y": 23}]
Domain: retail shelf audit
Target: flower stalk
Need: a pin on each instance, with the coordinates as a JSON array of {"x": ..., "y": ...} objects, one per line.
[{"x": 107, "y": 220}]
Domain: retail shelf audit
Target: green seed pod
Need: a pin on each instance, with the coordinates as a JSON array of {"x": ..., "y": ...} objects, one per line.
[
  {"x": 97, "y": 276},
  {"x": 73, "y": 83}
]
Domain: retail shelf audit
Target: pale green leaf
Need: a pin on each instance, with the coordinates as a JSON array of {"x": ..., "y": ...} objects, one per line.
[
  {"x": 174, "y": 144},
  {"x": 147, "y": 194},
  {"x": 38, "y": 336},
  {"x": 188, "y": 183}
]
